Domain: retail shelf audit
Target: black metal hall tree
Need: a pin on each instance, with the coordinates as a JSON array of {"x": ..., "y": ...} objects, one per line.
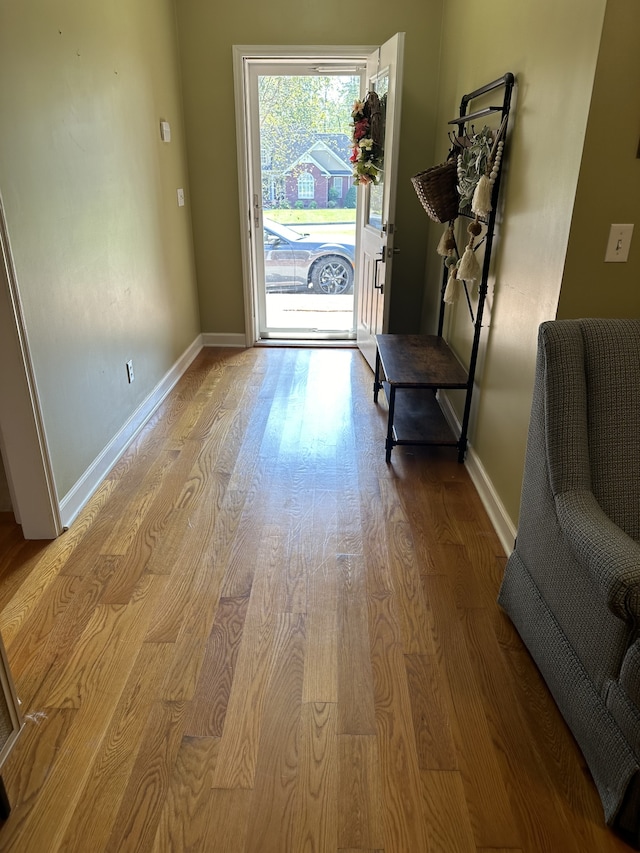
[{"x": 412, "y": 368}]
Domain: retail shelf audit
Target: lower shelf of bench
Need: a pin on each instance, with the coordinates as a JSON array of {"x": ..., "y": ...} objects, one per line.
[{"x": 418, "y": 418}]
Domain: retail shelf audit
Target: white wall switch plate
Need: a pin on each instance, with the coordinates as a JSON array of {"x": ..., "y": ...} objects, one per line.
[
  {"x": 180, "y": 197},
  {"x": 619, "y": 243},
  {"x": 165, "y": 131}
]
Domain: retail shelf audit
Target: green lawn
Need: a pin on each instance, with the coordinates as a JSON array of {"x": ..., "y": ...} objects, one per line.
[{"x": 311, "y": 217}]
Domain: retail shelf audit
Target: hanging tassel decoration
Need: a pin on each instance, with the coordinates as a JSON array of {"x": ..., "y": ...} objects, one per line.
[
  {"x": 481, "y": 202},
  {"x": 447, "y": 243},
  {"x": 451, "y": 290},
  {"x": 469, "y": 268}
]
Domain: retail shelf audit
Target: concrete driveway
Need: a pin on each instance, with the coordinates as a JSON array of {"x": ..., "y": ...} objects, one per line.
[{"x": 311, "y": 311}]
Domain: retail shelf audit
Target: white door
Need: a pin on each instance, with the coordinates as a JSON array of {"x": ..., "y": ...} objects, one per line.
[{"x": 375, "y": 235}]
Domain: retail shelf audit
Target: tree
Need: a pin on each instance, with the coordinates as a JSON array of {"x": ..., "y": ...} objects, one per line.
[
  {"x": 350, "y": 198},
  {"x": 294, "y": 109}
]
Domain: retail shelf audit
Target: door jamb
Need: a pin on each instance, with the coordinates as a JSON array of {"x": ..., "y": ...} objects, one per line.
[{"x": 22, "y": 434}]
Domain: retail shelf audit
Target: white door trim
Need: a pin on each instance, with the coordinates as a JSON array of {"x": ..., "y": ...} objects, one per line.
[
  {"x": 22, "y": 434},
  {"x": 241, "y": 52}
]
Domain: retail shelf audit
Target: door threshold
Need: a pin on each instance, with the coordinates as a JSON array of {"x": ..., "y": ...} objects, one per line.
[{"x": 306, "y": 343}]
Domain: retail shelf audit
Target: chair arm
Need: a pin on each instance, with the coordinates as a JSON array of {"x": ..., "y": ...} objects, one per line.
[{"x": 612, "y": 557}]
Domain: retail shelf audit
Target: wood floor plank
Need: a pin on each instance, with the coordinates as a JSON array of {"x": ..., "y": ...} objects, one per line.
[
  {"x": 192, "y": 568},
  {"x": 240, "y": 740},
  {"x": 316, "y": 809},
  {"x": 17, "y": 560},
  {"x": 448, "y": 822},
  {"x": 45, "y": 618},
  {"x": 414, "y": 615},
  {"x": 151, "y": 530},
  {"x": 276, "y": 782},
  {"x": 556, "y": 783},
  {"x": 44, "y": 570},
  {"x": 321, "y": 661},
  {"x": 183, "y": 822},
  {"x": 498, "y": 850},
  {"x": 133, "y": 515},
  {"x": 359, "y": 793},
  {"x": 489, "y": 806},
  {"x": 243, "y": 554},
  {"x": 34, "y": 650},
  {"x": 401, "y": 814},
  {"x": 97, "y": 659},
  {"x": 27, "y": 772},
  {"x": 430, "y": 712},
  {"x": 136, "y": 822},
  {"x": 356, "y": 709},
  {"x": 116, "y": 755},
  {"x": 429, "y": 514},
  {"x": 227, "y": 820},
  {"x": 92, "y": 686},
  {"x": 375, "y": 544},
  {"x": 208, "y": 708}
]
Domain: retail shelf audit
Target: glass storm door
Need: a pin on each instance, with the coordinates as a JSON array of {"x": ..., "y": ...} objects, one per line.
[{"x": 303, "y": 210}]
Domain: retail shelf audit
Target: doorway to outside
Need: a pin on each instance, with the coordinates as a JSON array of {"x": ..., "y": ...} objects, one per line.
[{"x": 302, "y": 200}]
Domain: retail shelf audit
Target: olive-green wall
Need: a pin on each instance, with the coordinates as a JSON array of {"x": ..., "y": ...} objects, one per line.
[
  {"x": 609, "y": 182},
  {"x": 552, "y": 48},
  {"x": 103, "y": 255},
  {"x": 207, "y": 33}
]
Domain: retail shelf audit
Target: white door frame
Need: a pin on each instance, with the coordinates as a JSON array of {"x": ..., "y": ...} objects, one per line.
[
  {"x": 22, "y": 436},
  {"x": 321, "y": 53}
]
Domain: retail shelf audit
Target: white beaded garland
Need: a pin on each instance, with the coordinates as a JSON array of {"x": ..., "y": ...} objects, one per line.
[{"x": 495, "y": 168}]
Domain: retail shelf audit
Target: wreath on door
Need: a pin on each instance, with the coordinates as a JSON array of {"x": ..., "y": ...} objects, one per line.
[{"x": 367, "y": 149}]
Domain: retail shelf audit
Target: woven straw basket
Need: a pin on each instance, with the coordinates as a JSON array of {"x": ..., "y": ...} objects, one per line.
[{"x": 436, "y": 188}]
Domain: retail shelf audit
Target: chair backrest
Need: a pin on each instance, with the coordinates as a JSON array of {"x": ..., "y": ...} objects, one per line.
[{"x": 592, "y": 412}]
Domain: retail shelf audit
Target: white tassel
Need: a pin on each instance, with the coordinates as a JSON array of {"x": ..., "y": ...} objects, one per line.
[
  {"x": 481, "y": 202},
  {"x": 451, "y": 291},
  {"x": 469, "y": 268},
  {"x": 447, "y": 242}
]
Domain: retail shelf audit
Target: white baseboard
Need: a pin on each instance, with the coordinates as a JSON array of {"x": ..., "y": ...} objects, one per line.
[
  {"x": 504, "y": 527},
  {"x": 217, "y": 339},
  {"x": 80, "y": 493}
]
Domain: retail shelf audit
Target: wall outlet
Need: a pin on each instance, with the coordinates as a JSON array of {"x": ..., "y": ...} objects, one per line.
[
  {"x": 180, "y": 194},
  {"x": 130, "y": 374}
]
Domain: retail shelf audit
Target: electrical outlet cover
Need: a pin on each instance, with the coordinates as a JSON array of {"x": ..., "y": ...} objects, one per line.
[{"x": 618, "y": 244}]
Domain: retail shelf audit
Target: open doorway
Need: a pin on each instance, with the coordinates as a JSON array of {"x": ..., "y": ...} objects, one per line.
[
  {"x": 339, "y": 278},
  {"x": 300, "y": 267}
]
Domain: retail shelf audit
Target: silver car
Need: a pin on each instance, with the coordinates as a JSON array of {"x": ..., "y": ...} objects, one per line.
[{"x": 295, "y": 260}]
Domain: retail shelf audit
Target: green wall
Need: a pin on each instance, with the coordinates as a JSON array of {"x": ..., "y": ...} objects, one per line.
[
  {"x": 103, "y": 254},
  {"x": 207, "y": 32},
  {"x": 552, "y": 48},
  {"x": 609, "y": 181}
]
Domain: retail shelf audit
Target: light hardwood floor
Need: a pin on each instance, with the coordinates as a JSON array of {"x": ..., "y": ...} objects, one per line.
[{"x": 259, "y": 637}]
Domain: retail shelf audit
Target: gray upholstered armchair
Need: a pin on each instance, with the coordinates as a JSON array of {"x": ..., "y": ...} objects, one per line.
[{"x": 572, "y": 585}]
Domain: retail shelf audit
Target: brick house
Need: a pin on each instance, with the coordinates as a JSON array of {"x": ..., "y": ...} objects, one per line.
[{"x": 314, "y": 168}]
